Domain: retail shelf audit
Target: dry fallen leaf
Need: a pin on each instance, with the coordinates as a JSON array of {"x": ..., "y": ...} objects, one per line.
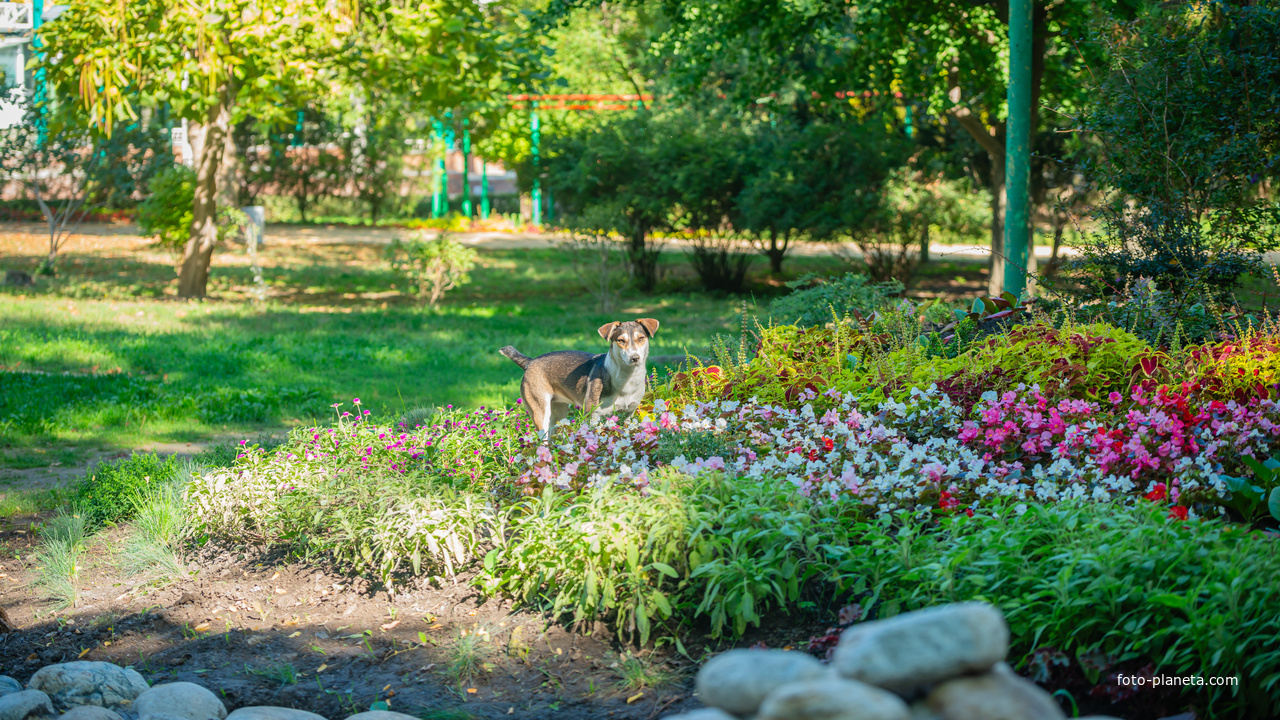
[
  {"x": 280, "y": 591},
  {"x": 296, "y": 633},
  {"x": 273, "y": 577},
  {"x": 635, "y": 697},
  {"x": 390, "y": 625},
  {"x": 473, "y": 691},
  {"x": 321, "y": 668},
  {"x": 201, "y": 627},
  {"x": 82, "y": 653}
]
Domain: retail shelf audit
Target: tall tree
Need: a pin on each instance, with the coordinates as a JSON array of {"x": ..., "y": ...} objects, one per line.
[
  {"x": 212, "y": 61},
  {"x": 216, "y": 62}
]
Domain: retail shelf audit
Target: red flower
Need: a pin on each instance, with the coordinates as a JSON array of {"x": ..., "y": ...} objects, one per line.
[
  {"x": 947, "y": 502},
  {"x": 1179, "y": 512},
  {"x": 1158, "y": 494},
  {"x": 828, "y": 444}
]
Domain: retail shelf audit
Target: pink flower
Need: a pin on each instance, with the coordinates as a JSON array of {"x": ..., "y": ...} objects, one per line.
[{"x": 1115, "y": 397}]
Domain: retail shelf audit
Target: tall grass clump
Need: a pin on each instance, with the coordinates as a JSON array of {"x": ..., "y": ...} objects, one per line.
[
  {"x": 157, "y": 533},
  {"x": 62, "y": 544}
]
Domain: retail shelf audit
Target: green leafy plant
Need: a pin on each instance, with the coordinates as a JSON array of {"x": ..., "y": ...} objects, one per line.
[
  {"x": 112, "y": 491},
  {"x": 1259, "y": 495},
  {"x": 433, "y": 266},
  {"x": 692, "y": 445},
  {"x": 166, "y": 213}
]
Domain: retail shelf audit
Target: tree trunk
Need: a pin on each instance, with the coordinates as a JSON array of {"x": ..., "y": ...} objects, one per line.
[
  {"x": 924, "y": 240},
  {"x": 776, "y": 254},
  {"x": 196, "y": 256},
  {"x": 1059, "y": 224},
  {"x": 995, "y": 283},
  {"x": 229, "y": 185}
]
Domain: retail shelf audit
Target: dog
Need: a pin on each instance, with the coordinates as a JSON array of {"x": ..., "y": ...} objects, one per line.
[{"x": 605, "y": 384}]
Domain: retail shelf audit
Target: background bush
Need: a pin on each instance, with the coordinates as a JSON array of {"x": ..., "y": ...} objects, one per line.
[
  {"x": 113, "y": 490},
  {"x": 815, "y": 301}
]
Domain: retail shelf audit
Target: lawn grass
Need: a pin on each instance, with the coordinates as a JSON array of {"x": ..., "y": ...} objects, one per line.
[{"x": 135, "y": 366}]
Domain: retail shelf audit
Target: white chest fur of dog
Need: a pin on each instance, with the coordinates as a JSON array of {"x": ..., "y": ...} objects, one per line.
[{"x": 611, "y": 383}]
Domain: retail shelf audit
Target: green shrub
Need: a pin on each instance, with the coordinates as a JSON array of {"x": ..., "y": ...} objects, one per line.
[
  {"x": 166, "y": 213},
  {"x": 111, "y": 493},
  {"x": 433, "y": 266},
  {"x": 815, "y": 301}
]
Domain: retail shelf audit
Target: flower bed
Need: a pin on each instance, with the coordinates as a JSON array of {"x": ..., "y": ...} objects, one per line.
[{"x": 923, "y": 452}]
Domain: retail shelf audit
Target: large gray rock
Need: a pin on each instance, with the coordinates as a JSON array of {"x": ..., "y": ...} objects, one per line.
[
  {"x": 921, "y": 648},
  {"x": 25, "y": 704},
  {"x": 739, "y": 680},
  {"x": 699, "y": 714},
  {"x": 832, "y": 699},
  {"x": 382, "y": 715},
  {"x": 9, "y": 685},
  {"x": 85, "y": 682},
  {"x": 266, "y": 712},
  {"x": 180, "y": 699},
  {"x": 998, "y": 695},
  {"x": 90, "y": 712}
]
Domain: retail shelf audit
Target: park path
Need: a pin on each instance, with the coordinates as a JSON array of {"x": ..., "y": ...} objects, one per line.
[{"x": 26, "y": 233}]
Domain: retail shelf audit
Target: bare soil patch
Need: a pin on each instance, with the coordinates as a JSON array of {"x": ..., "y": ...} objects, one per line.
[{"x": 259, "y": 632}]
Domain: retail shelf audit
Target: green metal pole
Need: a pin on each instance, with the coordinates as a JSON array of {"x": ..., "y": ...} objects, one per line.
[
  {"x": 1017, "y": 173},
  {"x": 450, "y": 142},
  {"x": 537, "y": 182},
  {"x": 37, "y": 12},
  {"x": 466, "y": 169},
  {"x": 484, "y": 190},
  {"x": 439, "y": 198}
]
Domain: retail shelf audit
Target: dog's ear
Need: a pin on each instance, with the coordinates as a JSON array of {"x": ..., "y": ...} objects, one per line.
[
  {"x": 606, "y": 330},
  {"x": 650, "y": 325}
]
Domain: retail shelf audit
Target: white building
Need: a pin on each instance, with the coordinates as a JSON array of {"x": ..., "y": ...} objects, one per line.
[{"x": 18, "y": 21}]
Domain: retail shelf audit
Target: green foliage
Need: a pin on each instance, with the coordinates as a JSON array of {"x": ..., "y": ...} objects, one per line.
[
  {"x": 166, "y": 213},
  {"x": 690, "y": 444},
  {"x": 815, "y": 301},
  {"x": 114, "y": 490},
  {"x": 1181, "y": 108},
  {"x": 434, "y": 266},
  {"x": 1119, "y": 586},
  {"x": 1194, "y": 259},
  {"x": 69, "y": 171},
  {"x": 1158, "y": 316},
  {"x": 618, "y": 173},
  {"x": 603, "y": 555}
]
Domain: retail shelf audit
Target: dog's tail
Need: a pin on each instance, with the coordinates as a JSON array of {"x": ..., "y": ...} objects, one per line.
[{"x": 515, "y": 356}]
